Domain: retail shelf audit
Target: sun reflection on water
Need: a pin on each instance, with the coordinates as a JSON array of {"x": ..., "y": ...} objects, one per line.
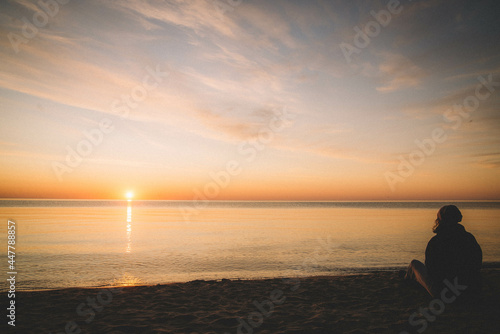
[
  {"x": 129, "y": 227},
  {"x": 127, "y": 280}
]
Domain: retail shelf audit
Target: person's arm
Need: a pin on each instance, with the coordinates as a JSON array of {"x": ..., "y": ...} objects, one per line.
[
  {"x": 434, "y": 260},
  {"x": 430, "y": 257},
  {"x": 477, "y": 254}
]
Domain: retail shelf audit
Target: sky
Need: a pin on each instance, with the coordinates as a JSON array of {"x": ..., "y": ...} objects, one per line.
[{"x": 250, "y": 100}]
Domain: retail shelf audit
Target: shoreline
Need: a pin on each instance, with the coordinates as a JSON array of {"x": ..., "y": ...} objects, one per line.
[
  {"x": 348, "y": 272},
  {"x": 360, "y": 303}
]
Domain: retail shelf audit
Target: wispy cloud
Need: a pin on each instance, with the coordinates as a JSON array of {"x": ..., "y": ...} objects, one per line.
[
  {"x": 235, "y": 125},
  {"x": 332, "y": 151},
  {"x": 397, "y": 72},
  {"x": 448, "y": 99},
  {"x": 199, "y": 16},
  {"x": 490, "y": 161}
]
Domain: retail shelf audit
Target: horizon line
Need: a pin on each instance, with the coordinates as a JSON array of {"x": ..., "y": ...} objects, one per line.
[{"x": 249, "y": 200}]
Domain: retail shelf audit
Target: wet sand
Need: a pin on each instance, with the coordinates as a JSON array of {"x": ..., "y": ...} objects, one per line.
[{"x": 369, "y": 303}]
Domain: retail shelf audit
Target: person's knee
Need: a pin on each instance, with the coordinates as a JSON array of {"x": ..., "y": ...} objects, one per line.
[{"x": 415, "y": 263}]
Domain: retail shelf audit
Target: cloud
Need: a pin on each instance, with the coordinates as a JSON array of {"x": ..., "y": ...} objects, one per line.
[
  {"x": 397, "y": 72},
  {"x": 202, "y": 17},
  {"x": 333, "y": 151},
  {"x": 490, "y": 161},
  {"x": 237, "y": 125},
  {"x": 475, "y": 73},
  {"x": 270, "y": 29},
  {"x": 448, "y": 98},
  {"x": 29, "y": 5}
]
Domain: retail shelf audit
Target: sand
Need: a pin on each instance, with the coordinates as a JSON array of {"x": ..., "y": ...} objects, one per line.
[{"x": 369, "y": 303}]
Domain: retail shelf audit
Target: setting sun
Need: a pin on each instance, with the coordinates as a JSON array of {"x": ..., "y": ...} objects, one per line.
[{"x": 129, "y": 194}]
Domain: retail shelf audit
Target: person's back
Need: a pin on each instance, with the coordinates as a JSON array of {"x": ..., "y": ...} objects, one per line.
[{"x": 454, "y": 253}]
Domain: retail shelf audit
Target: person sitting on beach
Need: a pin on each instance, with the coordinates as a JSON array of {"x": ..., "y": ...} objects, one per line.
[{"x": 453, "y": 254}]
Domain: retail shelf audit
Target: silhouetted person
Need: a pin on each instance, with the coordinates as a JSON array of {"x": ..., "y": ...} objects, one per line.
[{"x": 453, "y": 254}]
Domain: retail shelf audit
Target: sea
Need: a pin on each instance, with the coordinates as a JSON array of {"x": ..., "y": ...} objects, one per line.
[{"x": 94, "y": 243}]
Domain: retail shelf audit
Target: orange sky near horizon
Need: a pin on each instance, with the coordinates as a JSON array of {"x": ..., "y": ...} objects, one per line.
[{"x": 239, "y": 188}]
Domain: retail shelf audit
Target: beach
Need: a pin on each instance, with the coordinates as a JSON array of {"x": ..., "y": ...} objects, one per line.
[{"x": 376, "y": 302}]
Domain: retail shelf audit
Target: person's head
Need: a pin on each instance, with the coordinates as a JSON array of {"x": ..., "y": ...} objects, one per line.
[{"x": 448, "y": 215}]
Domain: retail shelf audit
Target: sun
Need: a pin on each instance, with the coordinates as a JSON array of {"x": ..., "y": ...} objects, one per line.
[{"x": 129, "y": 194}]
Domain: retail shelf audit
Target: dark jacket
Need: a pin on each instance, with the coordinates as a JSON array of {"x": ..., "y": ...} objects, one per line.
[{"x": 454, "y": 252}]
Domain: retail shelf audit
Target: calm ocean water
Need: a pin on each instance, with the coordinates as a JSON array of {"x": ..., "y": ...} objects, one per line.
[{"x": 99, "y": 243}]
